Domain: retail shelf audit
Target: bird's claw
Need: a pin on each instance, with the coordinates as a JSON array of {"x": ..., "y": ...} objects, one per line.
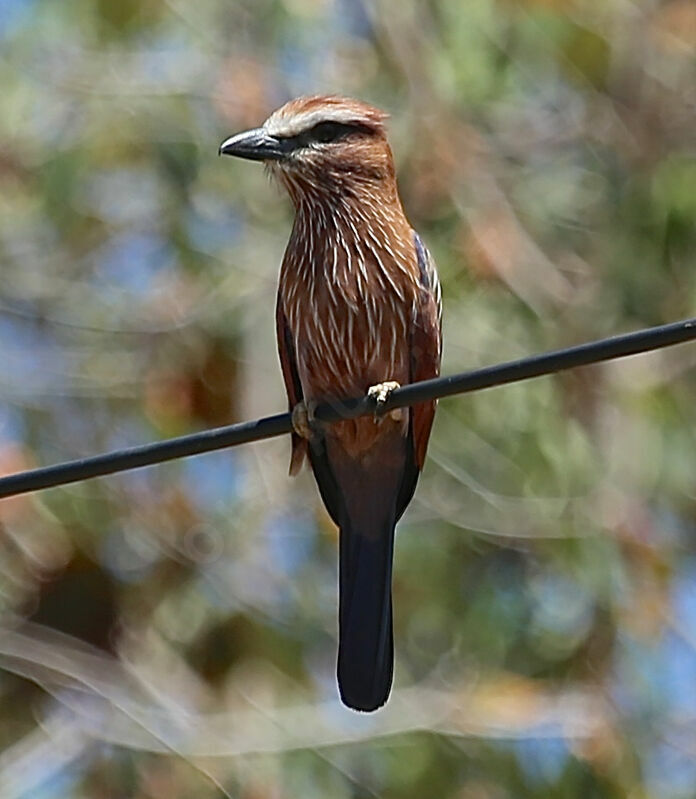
[
  {"x": 303, "y": 422},
  {"x": 380, "y": 394}
]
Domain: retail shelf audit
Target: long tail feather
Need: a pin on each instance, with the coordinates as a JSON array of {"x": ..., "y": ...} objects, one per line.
[
  {"x": 366, "y": 646},
  {"x": 365, "y": 497}
]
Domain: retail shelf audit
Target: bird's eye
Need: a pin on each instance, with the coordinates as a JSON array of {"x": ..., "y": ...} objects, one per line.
[{"x": 326, "y": 132}]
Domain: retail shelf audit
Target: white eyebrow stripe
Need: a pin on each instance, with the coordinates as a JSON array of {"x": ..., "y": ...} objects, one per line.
[{"x": 282, "y": 125}]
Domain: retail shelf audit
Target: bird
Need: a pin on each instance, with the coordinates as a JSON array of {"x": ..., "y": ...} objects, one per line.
[{"x": 359, "y": 311}]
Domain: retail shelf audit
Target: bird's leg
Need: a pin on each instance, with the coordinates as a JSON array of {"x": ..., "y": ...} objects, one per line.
[
  {"x": 380, "y": 394},
  {"x": 303, "y": 421}
]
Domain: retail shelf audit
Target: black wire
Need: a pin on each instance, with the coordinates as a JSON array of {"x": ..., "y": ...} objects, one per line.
[{"x": 219, "y": 438}]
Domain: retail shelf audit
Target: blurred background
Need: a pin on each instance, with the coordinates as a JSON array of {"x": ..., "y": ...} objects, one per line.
[{"x": 171, "y": 632}]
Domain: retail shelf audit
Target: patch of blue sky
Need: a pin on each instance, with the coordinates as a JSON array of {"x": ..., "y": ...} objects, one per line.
[
  {"x": 77, "y": 425},
  {"x": 125, "y": 196},
  {"x": 13, "y": 15},
  {"x": 678, "y": 678},
  {"x": 213, "y": 227},
  {"x": 169, "y": 60},
  {"x": 51, "y": 779},
  {"x": 670, "y": 771},
  {"x": 126, "y": 430},
  {"x": 636, "y": 674},
  {"x": 654, "y": 678},
  {"x": 30, "y": 356},
  {"x": 542, "y": 759},
  {"x": 683, "y": 596},
  {"x": 12, "y": 423},
  {"x": 291, "y": 540},
  {"x": 300, "y": 64},
  {"x": 214, "y": 480},
  {"x": 561, "y": 605},
  {"x": 132, "y": 261},
  {"x": 354, "y": 18}
]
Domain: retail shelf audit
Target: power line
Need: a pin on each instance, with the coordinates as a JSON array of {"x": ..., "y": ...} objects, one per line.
[{"x": 219, "y": 438}]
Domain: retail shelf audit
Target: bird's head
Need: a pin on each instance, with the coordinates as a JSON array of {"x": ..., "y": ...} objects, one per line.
[{"x": 321, "y": 146}]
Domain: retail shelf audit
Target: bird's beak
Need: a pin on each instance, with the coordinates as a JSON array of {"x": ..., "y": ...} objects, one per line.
[{"x": 257, "y": 145}]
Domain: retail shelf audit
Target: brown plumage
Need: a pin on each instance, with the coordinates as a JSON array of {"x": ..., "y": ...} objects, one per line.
[{"x": 358, "y": 306}]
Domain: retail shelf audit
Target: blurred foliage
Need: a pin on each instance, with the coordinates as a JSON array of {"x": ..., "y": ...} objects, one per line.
[{"x": 171, "y": 632}]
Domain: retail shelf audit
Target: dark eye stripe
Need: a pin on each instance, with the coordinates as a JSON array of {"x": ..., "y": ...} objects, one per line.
[
  {"x": 326, "y": 132},
  {"x": 321, "y": 133}
]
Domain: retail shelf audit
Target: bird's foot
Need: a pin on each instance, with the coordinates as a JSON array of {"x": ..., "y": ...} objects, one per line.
[
  {"x": 380, "y": 394},
  {"x": 303, "y": 421}
]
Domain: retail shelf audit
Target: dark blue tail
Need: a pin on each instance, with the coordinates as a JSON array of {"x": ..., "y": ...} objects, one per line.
[
  {"x": 366, "y": 645},
  {"x": 365, "y": 498}
]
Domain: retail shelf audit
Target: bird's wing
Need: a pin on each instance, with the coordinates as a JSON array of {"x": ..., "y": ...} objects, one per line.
[
  {"x": 300, "y": 446},
  {"x": 293, "y": 387},
  {"x": 426, "y": 346}
]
